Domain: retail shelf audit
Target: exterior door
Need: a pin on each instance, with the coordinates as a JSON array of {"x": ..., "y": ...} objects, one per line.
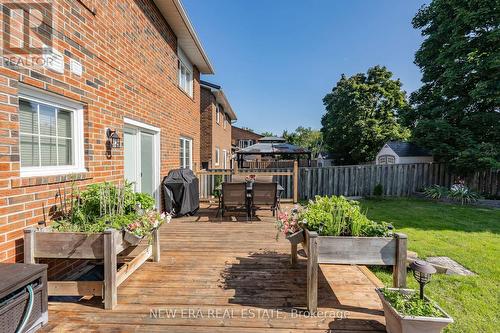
[{"x": 139, "y": 159}]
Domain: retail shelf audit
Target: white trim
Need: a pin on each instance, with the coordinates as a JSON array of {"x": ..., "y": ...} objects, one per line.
[
  {"x": 190, "y": 142},
  {"x": 136, "y": 123},
  {"x": 51, "y": 99},
  {"x": 130, "y": 124},
  {"x": 217, "y": 155}
]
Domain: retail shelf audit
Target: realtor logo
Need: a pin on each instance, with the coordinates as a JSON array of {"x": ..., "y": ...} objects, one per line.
[{"x": 27, "y": 28}]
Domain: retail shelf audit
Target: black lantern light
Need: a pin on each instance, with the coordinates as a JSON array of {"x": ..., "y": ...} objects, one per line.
[
  {"x": 113, "y": 138},
  {"x": 113, "y": 141},
  {"x": 422, "y": 271}
]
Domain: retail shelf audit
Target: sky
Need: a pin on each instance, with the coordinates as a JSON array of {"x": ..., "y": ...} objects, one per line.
[{"x": 277, "y": 59}]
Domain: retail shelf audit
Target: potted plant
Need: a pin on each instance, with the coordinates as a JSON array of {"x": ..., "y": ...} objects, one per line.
[
  {"x": 289, "y": 225},
  {"x": 405, "y": 312}
]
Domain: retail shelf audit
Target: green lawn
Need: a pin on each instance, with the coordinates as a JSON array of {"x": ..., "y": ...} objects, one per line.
[{"x": 470, "y": 236}]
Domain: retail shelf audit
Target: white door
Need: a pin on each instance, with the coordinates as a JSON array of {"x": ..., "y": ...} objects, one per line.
[{"x": 141, "y": 157}]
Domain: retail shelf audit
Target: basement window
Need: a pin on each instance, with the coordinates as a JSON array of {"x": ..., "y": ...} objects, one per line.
[{"x": 50, "y": 135}]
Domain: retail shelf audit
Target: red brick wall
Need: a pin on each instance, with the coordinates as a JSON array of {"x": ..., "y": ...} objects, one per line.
[
  {"x": 130, "y": 70},
  {"x": 214, "y": 135},
  {"x": 238, "y": 134},
  {"x": 207, "y": 112}
]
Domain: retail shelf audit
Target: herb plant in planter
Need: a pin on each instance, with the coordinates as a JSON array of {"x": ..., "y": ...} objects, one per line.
[
  {"x": 92, "y": 225},
  {"x": 337, "y": 232}
]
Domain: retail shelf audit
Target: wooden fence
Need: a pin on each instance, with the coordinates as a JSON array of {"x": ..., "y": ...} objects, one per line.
[
  {"x": 396, "y": 179},
  {"x": 210, "y": 179},
  {"x": 357, "y": 180}
]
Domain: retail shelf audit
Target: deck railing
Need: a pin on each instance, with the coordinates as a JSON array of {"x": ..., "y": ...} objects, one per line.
[{"x": 286, "y": 177}]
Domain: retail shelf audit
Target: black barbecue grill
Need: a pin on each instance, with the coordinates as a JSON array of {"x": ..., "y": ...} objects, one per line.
[{"x": 181, "y": 192}]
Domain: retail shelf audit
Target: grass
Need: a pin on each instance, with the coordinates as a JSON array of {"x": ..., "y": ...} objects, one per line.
[{"x": 468, "y": 235}]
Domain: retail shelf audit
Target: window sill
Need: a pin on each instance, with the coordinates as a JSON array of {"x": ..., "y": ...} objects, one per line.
[
  {"x": 185, "y": 93},
  {"x": 53, "y": 178}
]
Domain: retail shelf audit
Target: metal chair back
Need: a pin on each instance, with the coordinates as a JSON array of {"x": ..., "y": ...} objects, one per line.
[
  {"x": 264, "y": 194},
  {"x": 234, "y": 194}
]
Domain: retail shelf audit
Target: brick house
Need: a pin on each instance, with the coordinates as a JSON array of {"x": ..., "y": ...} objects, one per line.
[
  {"x": 242, "y": 138},
  {"x": 129, "y": 66},
  {"x": 217, "y": 116}
]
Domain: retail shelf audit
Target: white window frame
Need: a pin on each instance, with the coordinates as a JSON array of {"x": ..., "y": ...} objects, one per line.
[
  {"x": 217, "y": 156},
  {"x": 224, "y": 156},
  {"x": 217, "y": 114},
  {"x": 225, "y": 121},
  {"x": 190, "y": 141},
  {"x": 185, "y": 83},
  {"x": 47, "y": 98}
]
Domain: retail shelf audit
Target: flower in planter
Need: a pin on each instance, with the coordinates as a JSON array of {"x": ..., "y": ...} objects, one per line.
[
  {"x": 250, "y": 178},
  {"x": 288, "y": 223}
]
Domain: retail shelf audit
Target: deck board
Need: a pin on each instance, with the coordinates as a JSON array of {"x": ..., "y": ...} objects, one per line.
[{"x": 234, "y": 277}]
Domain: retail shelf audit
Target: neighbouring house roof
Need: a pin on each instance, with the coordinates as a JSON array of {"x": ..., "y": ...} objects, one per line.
[
  {"x": 187, "y": 39},
  {"x": 220, "y": 97},
  {"x": 247, "y": 131},
  {"x": 406, "y": 149},
  {"x": 269, "y": 148}
]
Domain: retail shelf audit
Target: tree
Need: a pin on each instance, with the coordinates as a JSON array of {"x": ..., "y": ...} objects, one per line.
[
  {"x": 267, "y": 133},
  {"x": 456, "y": 112},
  {"x": 307, "y": 138},
  {"x": 362, "y": 114}
]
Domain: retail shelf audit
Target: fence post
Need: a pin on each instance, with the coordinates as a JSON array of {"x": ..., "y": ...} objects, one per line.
[
  {"x": 295, "y": 181},
  {"x": 312, "y": 272},
  {"x": 29, "y": 245},
  {"x": 156, "y": 244},
  {"x": 399, "y": 269},
  {"x": 110, "y": 285}
]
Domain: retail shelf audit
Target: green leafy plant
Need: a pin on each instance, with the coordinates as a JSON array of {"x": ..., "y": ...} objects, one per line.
[
  {"x": 106, "y": 205},
  {"x": 217, "y": 183},
  {"x": 461, "y": 193},
  {"x": 146, "y": 201},
  {"x": 378, "y": 190},
  {"x": 338, "y": 216},
  {"x": 436, "y": 192},
  {"x": 410, "y": 304}
]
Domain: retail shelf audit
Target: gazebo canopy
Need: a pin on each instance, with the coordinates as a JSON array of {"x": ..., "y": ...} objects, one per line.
[{"x": 270, "y": 146}]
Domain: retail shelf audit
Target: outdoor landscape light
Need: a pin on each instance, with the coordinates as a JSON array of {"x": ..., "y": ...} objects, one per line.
[{"x": 422, "y": 271}]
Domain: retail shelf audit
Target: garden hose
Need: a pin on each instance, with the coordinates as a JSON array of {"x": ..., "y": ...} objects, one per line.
[{"x": 27, "y": 313}]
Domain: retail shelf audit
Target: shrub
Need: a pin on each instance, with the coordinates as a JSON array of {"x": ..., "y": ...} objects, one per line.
[
  {"x": 378, "y": 190},
  {"x": 463, "y": 194},
  {"x": 337, "y": 216},
  {"x": 436, "y": 192}
]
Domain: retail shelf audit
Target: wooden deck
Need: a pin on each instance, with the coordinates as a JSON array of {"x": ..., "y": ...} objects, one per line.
[{"x": 227, "y": 275}]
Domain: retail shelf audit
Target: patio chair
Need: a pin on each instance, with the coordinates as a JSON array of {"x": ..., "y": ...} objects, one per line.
[
  {"x": 264, "y": 195},
  {"x": 234, "y": 197}
]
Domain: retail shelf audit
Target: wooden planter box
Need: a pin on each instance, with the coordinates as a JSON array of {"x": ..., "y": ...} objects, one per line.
[
  {"x": 386, "y": 251},
  {"x": 104, "y": 246}
]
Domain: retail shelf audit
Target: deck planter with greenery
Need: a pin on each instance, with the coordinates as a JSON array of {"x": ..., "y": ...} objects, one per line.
[
  {"x": 89, "y": 231},
  {"x": 432, "y": 319},
  {"x": 337, "y": 232}
]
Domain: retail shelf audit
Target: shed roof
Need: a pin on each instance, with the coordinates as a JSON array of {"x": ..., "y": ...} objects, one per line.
[{"x": 406, "y": 149}]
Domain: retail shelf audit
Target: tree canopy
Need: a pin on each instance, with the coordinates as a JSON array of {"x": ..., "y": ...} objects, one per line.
[
  {"x": 456, "y": 112},
  {"x": 362, "y": 114},
  {"x": 305, "y": 137}
]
